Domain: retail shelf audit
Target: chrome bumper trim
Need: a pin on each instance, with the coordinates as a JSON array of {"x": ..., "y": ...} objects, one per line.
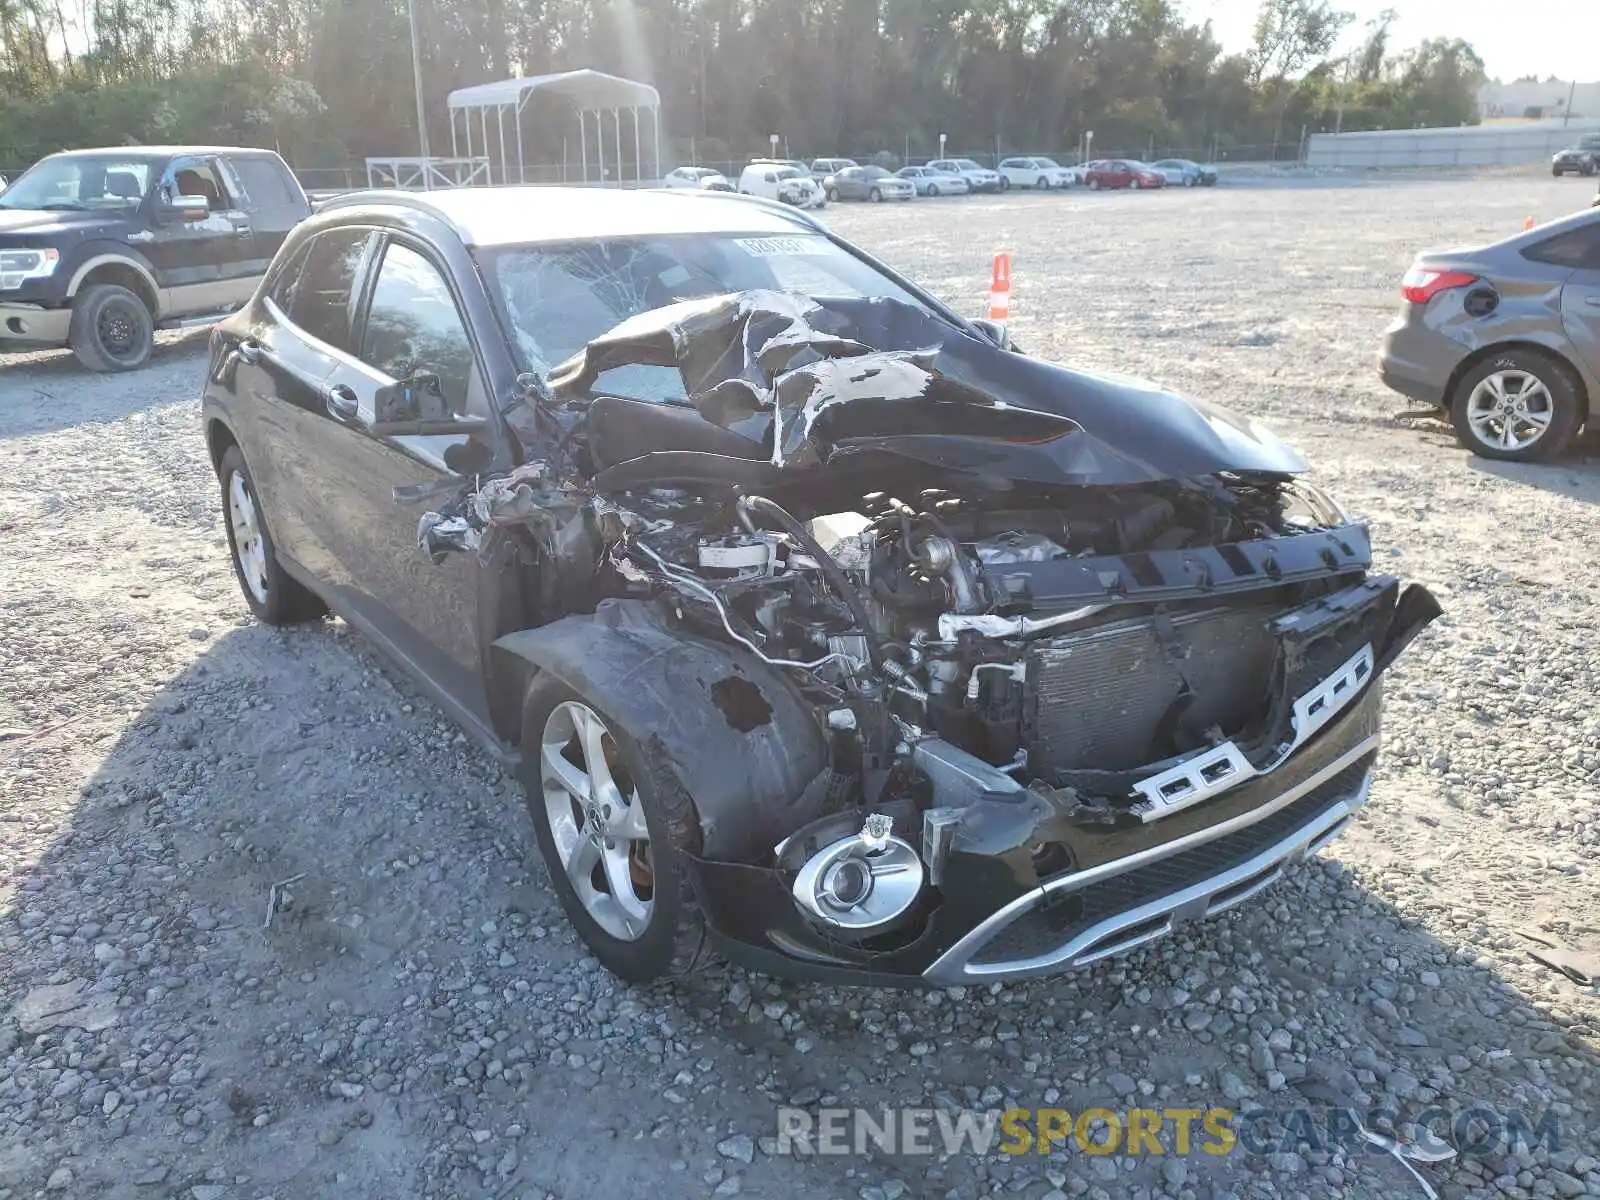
[
  {"x": 1128, "y": 930},
  {"x": 1211, "y": 772}
]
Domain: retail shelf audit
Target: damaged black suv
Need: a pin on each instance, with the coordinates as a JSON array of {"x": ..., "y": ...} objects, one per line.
[{"x": 820, "y": 625}]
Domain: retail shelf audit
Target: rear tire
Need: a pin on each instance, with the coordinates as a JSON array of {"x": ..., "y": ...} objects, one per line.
[
  {"x": 273, "y": 595},
  {"x": 933, "y": 189},
  {"x": 874, "y": 196},
  {"x": 1499, "y": 406},
  {"x": 1094, "y": 185},
  {"x": 833, "y": 195},
  {"x": 670, "y": 939},
  {"x": 111, "y": 329},
  {"x": 1005, "y": 184}
]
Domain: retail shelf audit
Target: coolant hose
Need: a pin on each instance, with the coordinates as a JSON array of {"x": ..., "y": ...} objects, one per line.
[{"x": 831, "y": 570}]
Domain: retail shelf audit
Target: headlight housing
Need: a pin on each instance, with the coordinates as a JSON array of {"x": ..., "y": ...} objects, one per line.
[
  {"x": 18, "y": 266},
  {"x": 1309, "y": 505}
]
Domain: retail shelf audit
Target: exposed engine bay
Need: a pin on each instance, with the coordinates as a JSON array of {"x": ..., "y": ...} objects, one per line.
[{"x": 1034, "y": 621}]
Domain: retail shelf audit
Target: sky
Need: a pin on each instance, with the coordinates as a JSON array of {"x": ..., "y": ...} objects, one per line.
[{"x": 1513, "y": 37}]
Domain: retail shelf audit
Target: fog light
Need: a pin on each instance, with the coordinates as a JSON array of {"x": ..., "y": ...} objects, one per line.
[{"x": 862, "y": 883}]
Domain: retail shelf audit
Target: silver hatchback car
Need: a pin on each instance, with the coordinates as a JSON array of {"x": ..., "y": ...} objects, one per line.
[{"x": 1505, "y": 338}]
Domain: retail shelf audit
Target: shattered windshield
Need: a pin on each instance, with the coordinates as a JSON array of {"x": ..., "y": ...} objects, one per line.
[
  {"x": 80, "y": 182},
  {"x": 554, "y": 300}
]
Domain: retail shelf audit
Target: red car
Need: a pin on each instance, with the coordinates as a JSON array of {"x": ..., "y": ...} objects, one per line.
[{"x": 1122, "y": 173}]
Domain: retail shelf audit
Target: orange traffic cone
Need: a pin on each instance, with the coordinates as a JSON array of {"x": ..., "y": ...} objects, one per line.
[{"x": 1000, "y": 288}]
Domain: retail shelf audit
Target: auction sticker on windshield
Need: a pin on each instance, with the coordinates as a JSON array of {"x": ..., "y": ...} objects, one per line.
[{"x": 773, "y": 247}]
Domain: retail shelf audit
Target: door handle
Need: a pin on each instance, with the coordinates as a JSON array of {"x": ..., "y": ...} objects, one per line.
[
  {"x": 342, "y": 403},
  {"x": 1592, "y": 300}
]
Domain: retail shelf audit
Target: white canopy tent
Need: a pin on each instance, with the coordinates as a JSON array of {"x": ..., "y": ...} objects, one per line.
[{"x": 591, "y": 93}]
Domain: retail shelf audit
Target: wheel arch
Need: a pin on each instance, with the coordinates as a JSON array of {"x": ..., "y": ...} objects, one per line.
[
  {"x": 122, "y": 271},
  {"x": 1564, "y": 361},
  {"x": 219, "y": 437},
  {"x": 715, "y": 721}
]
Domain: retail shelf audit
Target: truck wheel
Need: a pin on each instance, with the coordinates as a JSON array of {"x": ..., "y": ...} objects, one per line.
[
  {"x": 611, "y": 837},
  {"x": 111, "y": 329},
  {"x": 1518, "y": 405}
]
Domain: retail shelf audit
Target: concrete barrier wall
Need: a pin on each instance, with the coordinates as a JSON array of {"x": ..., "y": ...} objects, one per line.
[{"x": 1471, "y": 146}]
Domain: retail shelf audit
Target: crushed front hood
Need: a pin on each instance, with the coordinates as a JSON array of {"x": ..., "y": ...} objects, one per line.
[{"x": 812, "y": 381}]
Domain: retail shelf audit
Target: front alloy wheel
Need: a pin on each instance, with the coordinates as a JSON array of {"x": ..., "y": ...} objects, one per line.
[
  {"x": 611, "y": 836},
  {"x": 596, "y": 821},
  {"x": 1520, "y": 405}
]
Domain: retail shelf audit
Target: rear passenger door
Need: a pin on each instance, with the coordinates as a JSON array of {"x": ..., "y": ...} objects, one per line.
[
  {"x": 304, "y": 332},
  {"x": 273, "y": 203},
  {"x": 1580, "y": 297},
  {"x": 197, "y": 262}
]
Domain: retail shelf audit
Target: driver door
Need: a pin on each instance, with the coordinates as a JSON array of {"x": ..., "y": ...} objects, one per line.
[
  {"x": 427, "y": 613},
  {"x": 196, "y": 262}
]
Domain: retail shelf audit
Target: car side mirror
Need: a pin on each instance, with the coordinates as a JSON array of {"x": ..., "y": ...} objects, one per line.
[
  {"x": 995, "y": 331},
  {"x": 185, "y": 209},
  {"x": 415, "y": 398}
]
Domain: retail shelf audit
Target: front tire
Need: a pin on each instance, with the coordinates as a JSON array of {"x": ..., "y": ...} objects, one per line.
[
  {"x": 833, "y": 195},
  {"x": 933, "y": 189},
  {"x": 1517, "y": 406},
  {"x": 874, "y": 196},
  {"x": 1094, "y": 185},
  {"x": 111, "y": 329},
  {"x": 273, "y": 595},
  {"x": 612, "y": 838}
]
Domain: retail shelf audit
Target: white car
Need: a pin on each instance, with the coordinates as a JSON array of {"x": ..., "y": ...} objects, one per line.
[
  {"x": 697, "y": 177},
  {"x": 931, "y": 182},
  {"x": 781, "y": 181},
  {"x": 821, "y": 168},
  {"x": 1033, "y": 171},
  {"x": 979, "y": 179}
]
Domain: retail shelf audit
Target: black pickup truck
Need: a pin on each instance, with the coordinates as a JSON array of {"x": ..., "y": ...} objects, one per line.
[{"x": 99, "y": 248}]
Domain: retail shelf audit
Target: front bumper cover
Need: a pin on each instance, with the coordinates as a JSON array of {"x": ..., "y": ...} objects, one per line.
[
  {"x": 1129, "y": 880},
  {"x": 33, "y": 325},
  {"x": 1143, "y": 881}
]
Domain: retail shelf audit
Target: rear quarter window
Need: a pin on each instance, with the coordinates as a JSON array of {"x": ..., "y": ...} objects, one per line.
[{"x": 1573, "y": 248}]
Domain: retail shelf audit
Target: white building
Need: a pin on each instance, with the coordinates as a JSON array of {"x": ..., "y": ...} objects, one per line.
[{"x": 1549, "y": 98}]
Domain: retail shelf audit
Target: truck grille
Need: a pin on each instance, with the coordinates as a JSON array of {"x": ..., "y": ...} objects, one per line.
[{"x": 1099, "y": 699}]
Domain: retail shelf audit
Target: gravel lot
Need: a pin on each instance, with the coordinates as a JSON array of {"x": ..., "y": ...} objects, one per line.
[{"x": 418, "y": 1021}]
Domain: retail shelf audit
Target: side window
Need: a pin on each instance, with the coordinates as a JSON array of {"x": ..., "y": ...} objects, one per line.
[
  {"x": 321, "y": 301},
  {"x": 413, "y": 325},
  {"x": 1574, "y": 248},
  {"x": 263, "y": 183},
  {"x": 770, "y": 177},
  {"x": 285, "y": 282},
  {"x": 197, "y": 177}
]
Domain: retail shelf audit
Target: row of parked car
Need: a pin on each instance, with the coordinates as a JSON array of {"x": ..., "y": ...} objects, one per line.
[{"x": 834, "y": 179}]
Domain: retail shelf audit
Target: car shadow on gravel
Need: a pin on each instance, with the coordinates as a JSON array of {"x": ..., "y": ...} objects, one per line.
[
  {"x": 1575, "y": 474},
  {"x": 52, "y": 390},
  {"x": 296, "y": 911}
]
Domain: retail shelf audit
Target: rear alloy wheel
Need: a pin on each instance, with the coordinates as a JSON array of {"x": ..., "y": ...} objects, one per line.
[
  {"x": 1521, "y": 406},
  {"x": 275, "y": 597},
  {"x": 111, "y": 329},
  {"x": 611, "y": 841}
]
